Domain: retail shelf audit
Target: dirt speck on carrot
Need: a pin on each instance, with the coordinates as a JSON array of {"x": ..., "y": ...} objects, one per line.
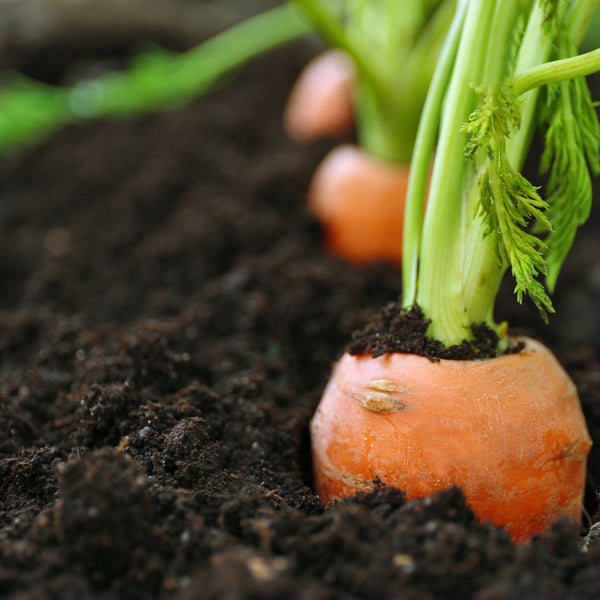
[{"x": 378, "y": 396}]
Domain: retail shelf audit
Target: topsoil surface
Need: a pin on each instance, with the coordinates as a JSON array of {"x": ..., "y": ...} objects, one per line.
[{"x": 168, "y": 320}]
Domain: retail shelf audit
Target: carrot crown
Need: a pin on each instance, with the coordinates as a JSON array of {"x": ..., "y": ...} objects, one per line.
[
  {"x": 507, "y": 66},
  {"x": 394, "y": 47}
]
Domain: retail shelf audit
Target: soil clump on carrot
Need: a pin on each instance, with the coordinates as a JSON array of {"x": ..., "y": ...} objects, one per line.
[
  {"x": 394, "y": 329},
  {"x": 168, "y": 321}
]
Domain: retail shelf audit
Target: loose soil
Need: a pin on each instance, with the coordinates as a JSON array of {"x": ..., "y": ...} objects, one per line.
[
  {"x": 398, "y": 329},
  {"x": 168, "y": 319}
]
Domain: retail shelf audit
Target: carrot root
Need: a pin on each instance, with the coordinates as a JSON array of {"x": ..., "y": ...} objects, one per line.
[
  {"x": 320, "y": 103},
  {"x": 508, "y": 430},
  {"x": 360, "y": 202}
]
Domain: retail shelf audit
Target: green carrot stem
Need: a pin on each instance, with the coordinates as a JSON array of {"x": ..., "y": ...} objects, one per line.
[
  {"x": 163, "y": 81},
  {"x": 421, "y": 159},
  {"x": 557, "y": 70},
  {"x": 325, "y": 22},
  {"x": 439, "y": 277},
  {"x": 157, "y": 80}
]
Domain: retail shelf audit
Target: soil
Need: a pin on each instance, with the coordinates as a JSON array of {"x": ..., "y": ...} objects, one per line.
[
  {"x": 168, "y": 320},
  {"x": 397, "y": 329}
]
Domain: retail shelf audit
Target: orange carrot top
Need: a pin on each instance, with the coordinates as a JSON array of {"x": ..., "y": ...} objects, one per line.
[
  {"x": 360, "y": 202},
  {"x": 508, "y": 430}
]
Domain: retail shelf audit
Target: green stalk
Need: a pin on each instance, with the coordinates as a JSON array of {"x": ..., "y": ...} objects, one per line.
[
  {"x": 439, "y": 287},
  {"x": 163, "y": 81},
  {"x": 483, "y": 267},
  {"x": 425, "y": 53},
  {"x": 581, "y": 19},
  {"x": 384, "y": 130},
  {"x": 535, "y": 49},
  {"x": 373, "y": 95},
  {"x": 421, "y": 159},
  {"x": 392, "y": 49},
  {"x": 329, "y": 27},
  {"x": 401, "y": 120},
  {"x": 557, "y": 70}
]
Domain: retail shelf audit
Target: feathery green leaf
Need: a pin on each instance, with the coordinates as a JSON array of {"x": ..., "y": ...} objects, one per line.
[
  {"x": 572, "y": 150},
  {"x": 508, "y": 202}
]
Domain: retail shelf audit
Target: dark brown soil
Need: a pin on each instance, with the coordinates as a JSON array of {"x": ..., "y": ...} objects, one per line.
[
  {"x": 396, "y": 329},
  {"x": 168, "y": 319}
]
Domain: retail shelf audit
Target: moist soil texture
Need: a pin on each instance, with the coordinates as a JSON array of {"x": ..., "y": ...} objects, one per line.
[
  {"x": 398, "y": 329},
  {"x": 168, "y": 320}
]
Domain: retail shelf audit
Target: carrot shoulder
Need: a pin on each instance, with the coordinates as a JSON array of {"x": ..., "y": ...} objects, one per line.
[
  {"x": 320, "y": 103},
  {"x": 508, "y": 430},
  {"x": 360, "y": 200}
]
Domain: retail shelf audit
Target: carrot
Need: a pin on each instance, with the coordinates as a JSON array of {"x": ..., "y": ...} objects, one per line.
[
  {"x": 360, "y": 202},
  {"x": 508, "y": 430},
  {"x": 320, "y": 103}
]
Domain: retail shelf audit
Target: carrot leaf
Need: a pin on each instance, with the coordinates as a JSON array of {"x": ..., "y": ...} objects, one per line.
[
  {"x": 157, "y": 80},
  {"x": 572, "y": 150},
  {"x": 508, "y": 202}
]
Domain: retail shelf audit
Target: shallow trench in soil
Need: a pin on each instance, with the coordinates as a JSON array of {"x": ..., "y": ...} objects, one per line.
[{"x": 169, "y": 318}]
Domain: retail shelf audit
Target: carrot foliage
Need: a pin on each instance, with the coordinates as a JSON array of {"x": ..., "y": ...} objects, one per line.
[
  {"x": 394, "y": 47},
  {"x": 510, "y": 61},
  {"x": 571, "y": 155},
  {"x": 508, "y": 202},
  {"x": 156, "y": 80}
]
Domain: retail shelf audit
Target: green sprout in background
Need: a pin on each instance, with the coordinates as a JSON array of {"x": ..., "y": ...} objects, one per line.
[
  {"x": 156, "y": 80},
  {"x": 394, "y": 46}
]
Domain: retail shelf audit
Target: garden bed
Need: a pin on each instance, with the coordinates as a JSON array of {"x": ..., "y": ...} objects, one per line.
[{"x": 168, "y": 320}]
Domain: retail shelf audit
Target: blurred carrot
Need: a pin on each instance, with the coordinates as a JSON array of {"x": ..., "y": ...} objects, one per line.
[
  {"x": 360, "y": 202},
  {"x": 320, "y": 103},
  {"x": 508, "y": 430}
]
